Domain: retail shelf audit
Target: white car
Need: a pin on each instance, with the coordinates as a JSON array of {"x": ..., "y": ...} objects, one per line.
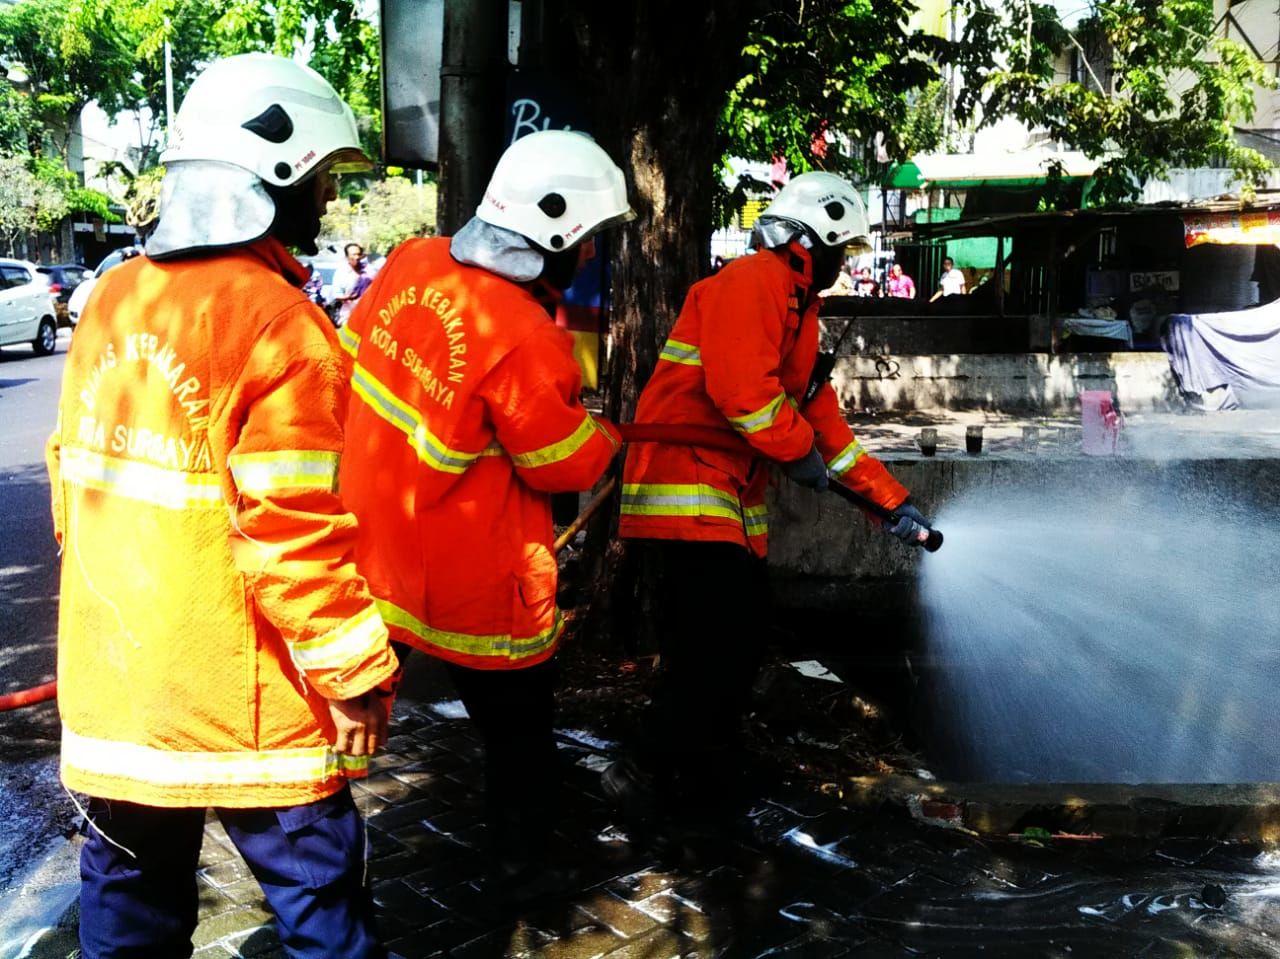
[
  {"x": 80, "y": 295},
  {"x": 26, "y": 307}
]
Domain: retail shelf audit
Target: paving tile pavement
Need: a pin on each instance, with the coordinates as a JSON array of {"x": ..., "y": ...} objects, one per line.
[{"x": 805, "y": 877}]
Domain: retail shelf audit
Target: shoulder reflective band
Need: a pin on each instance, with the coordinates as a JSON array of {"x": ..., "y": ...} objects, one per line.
[
  {"x": 846, "y": 459},
  {"x": 164, "y": 767},
  {"x": 679, "y": 499},
  {"x": 762, "y": 418},
  {"x": 405, "y": 418},
  {"x": 346, "y": 645},
  {"x": 557, "y": 452},
  {"x": 170, "y": 489},
  {"x": 294, "y": 469},
  {"x": 755, "y": 519},
  {"x": 685, "y": 353},
  {"x": 499, "y": 646},
  {"x": 349, "y": 340}
]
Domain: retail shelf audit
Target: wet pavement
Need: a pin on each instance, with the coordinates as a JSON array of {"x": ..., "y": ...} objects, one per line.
[
  {"x": 33, "y": 808},
  {"x": 806, "y": 876}
]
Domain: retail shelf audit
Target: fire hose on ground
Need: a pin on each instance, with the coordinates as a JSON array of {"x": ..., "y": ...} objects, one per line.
[
  {"x": 631, "y": 433},
  {"x": 29, "y": 697}
]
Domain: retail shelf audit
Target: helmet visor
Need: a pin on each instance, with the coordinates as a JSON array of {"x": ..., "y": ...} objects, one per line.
[
  {"x": 346, "y": 160},
  {"x": 626, "y": 216}
]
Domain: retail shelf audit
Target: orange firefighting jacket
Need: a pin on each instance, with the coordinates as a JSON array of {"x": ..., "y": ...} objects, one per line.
[
  {"x": 210, "y": 604},
  {"x": 464, "y": 415},
  {"x": 740, "y": 356}
]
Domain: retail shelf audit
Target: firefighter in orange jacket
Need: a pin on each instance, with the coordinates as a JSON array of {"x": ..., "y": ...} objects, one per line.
[
  {"x": 465, "y": 416},
  {"x": 216, "y": 645},
  {"x": 740, "y": 357}
]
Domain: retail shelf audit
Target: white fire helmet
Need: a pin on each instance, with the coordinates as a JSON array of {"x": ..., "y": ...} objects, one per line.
[
  {"x": 828, "y": 205},
  {"x": 556, "y": 188},
  {"x": 272, "y": 116}
]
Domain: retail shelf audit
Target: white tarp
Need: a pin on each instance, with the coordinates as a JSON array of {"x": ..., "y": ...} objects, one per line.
[{"x": 1226, "y": 361}]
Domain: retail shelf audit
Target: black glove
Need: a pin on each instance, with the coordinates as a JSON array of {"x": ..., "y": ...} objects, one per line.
[
  {"x": 809, "y": 470},
  {"x": 912, "y": 527}
]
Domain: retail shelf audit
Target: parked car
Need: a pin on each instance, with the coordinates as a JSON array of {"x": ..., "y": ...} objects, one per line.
[
  {"x": 27, "y": 314},
  {"x": 80, "y": 296},
  {"x": 63, "y": 280}
]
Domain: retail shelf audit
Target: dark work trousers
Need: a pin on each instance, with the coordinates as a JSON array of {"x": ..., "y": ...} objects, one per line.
[
  {"x": 714, "y": 615},
  {"x": 308, "y": 859},
  {"x": 514, "y": 709}
]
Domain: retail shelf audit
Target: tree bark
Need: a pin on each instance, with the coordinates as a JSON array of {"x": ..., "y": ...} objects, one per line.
[{"x": 656, "y": 75}]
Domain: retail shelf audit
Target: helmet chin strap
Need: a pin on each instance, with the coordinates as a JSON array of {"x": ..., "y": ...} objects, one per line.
[
  {"x": 560, "y": 268},
  {"x": 826, "y": 264},
  {"x": 297, "y": 219}
]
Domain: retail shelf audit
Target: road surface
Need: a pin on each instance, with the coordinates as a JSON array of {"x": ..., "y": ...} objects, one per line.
[{"x": 33, "y": 808}]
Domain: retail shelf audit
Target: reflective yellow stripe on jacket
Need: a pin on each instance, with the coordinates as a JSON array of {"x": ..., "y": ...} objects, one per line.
[
  {"x": 684, "y": 353},
  {"x": 145, "y": 482},
  {"x": 559, "y": 451},
  {"x": 500, "y": 645},
  {"x": 349, "y": 340},
  {"x": 755, "y": 519},
  {"x": 846, "y": 459},
  {"x": 679, "y": 499},
  {"x": 164, "y": 767},
  {"x": 293, "y": 469},
  {"x": 405, "y": 418},
  {"x": 350, "y": 642},
  {"x": 762, "y": 418}
]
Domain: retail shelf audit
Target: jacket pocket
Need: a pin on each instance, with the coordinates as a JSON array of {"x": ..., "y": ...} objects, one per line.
[
  {"x": 721, "y": 478},
  {"x": 537, "y": 574}
]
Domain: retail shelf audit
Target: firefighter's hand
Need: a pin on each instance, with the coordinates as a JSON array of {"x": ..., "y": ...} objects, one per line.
[
  {"x": 808, "y": 471},
  {"x": 912, "y": 527},
  {"x": 360, "y": 724}
]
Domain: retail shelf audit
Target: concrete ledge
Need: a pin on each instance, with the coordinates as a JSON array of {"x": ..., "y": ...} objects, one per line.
[
  {"x": 1247, "y": 811},
  {"x": 1004, "y": 382},
  {"x": 817, "y": 541}
]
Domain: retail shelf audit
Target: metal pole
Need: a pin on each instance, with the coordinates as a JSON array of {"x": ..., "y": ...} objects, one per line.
[
  {"x": 471, "y": 94},
  {"x": 168, "y": 82}
]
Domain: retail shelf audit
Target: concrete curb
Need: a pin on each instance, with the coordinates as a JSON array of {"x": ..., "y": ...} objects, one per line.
[{"x": 1238, "y": 811}]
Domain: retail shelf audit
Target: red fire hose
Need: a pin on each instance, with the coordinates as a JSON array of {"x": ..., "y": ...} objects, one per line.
[{"x": 29, "y": 697}]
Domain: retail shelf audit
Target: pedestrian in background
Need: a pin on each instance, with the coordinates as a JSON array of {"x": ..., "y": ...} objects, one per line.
[
  {"x": 899, "y": 285},
  {"x": 216, "y": 646},
  {"x": 951, "y": 283},
  {"x": 350, "y": 280},
  {"x": 865, "y": 285}
]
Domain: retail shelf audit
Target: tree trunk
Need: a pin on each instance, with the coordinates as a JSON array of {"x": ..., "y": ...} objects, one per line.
[{"x": 656, "y": 74}]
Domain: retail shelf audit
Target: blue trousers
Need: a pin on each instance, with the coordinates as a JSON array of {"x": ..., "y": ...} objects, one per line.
[{"x": 308, "y": 859}]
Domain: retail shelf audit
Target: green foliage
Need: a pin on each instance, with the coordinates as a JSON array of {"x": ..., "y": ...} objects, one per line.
[
  {"x": 342, "y": 47},
  {"x": 29, "y": 201},
  {"x": 813, "y": 67},
  {"x": 71, "y": 58},
  {"x": 94, "y": 202},
  {"x": 1158, "y": 90},
  {"x": 16, "y": 121},
  {"x": 923, "y": 127},
  {"x": 390, "y": 212}
]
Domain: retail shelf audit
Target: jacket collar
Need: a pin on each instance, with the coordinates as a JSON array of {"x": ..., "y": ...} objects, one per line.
[
  {"x": 273, "y": 254},
  {"x": 799, "y": 262}
]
